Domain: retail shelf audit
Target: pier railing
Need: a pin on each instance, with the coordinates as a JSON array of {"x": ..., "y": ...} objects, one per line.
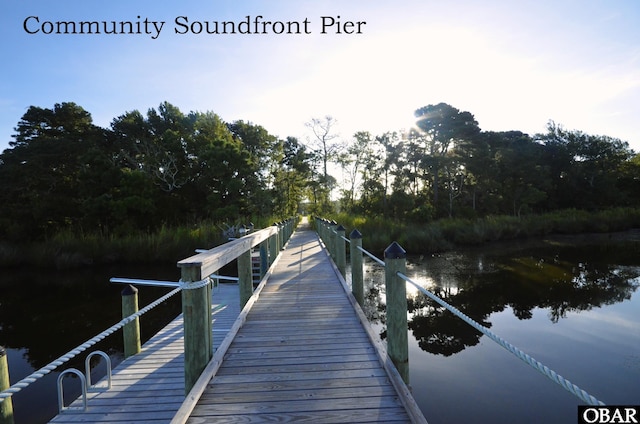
[
  {"x": 197, "y": 275},
  {"x": 333, "y": 236},
  {"x": 196, "y": 293}
]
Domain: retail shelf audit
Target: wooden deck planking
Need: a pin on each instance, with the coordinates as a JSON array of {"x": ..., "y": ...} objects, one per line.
[
  {"x": 149, "y": 387},
  {"x": 302, "y": 353}
]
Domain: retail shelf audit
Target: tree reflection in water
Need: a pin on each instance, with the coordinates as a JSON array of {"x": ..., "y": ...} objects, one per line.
[{"x": 558, "y": 278}]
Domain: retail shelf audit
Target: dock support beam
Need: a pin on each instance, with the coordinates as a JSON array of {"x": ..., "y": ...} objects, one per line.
[
  {"x": 131, "y": 331},
  {"x": 395, "y": 258}
]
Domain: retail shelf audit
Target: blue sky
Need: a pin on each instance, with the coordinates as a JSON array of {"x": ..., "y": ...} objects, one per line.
[{"x": 513, "y": 64}]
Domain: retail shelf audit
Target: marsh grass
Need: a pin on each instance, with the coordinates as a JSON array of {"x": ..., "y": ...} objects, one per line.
[
  {"x": 170, "y": 244},
  {"x": 70, "y": 250},
  {"x": 445, "y": 234}
]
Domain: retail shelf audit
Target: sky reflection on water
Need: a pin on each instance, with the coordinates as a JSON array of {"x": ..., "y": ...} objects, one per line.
[{"x": 573, "y": 307}]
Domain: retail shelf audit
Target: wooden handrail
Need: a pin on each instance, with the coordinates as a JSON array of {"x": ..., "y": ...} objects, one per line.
[
  {"x": 214, "y": 259},
  {"x": 196, "y": 303}
]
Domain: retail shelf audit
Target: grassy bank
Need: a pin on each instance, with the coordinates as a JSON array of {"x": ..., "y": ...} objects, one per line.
[
  {"x": 71, "y": 250},
  {"x": 445, "y": 234}
]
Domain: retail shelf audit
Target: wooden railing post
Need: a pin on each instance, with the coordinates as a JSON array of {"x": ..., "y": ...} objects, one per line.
[
  {"x": 264, "y": 258},
  {"x": 131, "y": 331},
  {"x": 273, "y": 248},
  {"x": 395, "y": 258},
  {"x": 327, "y": 229},
  {"x": 198, "y": 339},
  {"x": 341, "y": 253},
  {"x": 320, "y": 228},
  {"x": 280, "y": 241},
  {"x": 6, "y": 405},
  {"x": 245, "y": 278},
  {"x": 287, "y": 229},
  {"x": 332, "y": 239},
  {"x": 325, "y": 232},
  {"x": 357, "y": 280}
]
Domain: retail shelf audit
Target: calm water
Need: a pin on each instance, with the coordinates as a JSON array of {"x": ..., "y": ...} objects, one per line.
[
  {"x": 570, "y": 302},
  {"x": 43, "y": 315}
]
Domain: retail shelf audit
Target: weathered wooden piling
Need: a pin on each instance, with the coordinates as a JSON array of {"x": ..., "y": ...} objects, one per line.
[
  {"x": 6, "y": 405},
  {"x": 196, "y": 312},
  {"x": 131, "y": 331},
  {"x": 395, "y": 258}
]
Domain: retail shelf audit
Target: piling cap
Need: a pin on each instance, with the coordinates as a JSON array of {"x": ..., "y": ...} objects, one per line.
[
  {"x": 355, "y": 234},
  {"x": 128, "y": 290},
  {"x": 395, "y": 251},
  {"x": 340, "y": 228}
]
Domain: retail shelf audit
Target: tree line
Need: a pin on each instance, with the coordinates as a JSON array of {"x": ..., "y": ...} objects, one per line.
[
  {"x": 446, "y": 166},
  {"x": 165, "y": 168}
]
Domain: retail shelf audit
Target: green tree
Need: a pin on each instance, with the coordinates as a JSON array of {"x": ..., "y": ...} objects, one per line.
[
  {"x": 588, "y": 167},
  {"x": 220, "y": 165},
  {"x": 261, "y": 160},
  {"x": 440, "y": 128},
  {"x": 353, "y": 160},
  {"x": 290, "y": 178},
  {"x": 325, "y": 150},
  {"x": 522, "y": 175},
  {"x": 156, "y": 145},
  {"x": 481, "y": 172},
  {"x": 629, "y": 181},
  {"x": 51, "y": 160}
]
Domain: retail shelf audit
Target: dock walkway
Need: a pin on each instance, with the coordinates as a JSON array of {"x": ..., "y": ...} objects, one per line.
[
  {"x": 299, "y": 351},
  {"x": 149, "y": 386},
  {"x": 303, "y": 354}
]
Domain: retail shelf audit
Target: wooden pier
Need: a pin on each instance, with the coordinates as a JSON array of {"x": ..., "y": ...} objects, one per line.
[
  {"x": 149, "y": 386},
  {"x": 300, "y": 350}
]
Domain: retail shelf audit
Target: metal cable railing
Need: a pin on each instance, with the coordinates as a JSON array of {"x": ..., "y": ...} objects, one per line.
[
  {"x": 84, "y": 346},
  {"x": 552, "y": 375},
  {"x": 380, "y": 262}
]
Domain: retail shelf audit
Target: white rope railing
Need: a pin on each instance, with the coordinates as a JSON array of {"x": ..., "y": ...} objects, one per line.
[
  {"x": 552, "y": 375},
  {"x": 84, "y": 346},
  {"x": 546, "y": 371},
  {"x": 193, "y": 285}
]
